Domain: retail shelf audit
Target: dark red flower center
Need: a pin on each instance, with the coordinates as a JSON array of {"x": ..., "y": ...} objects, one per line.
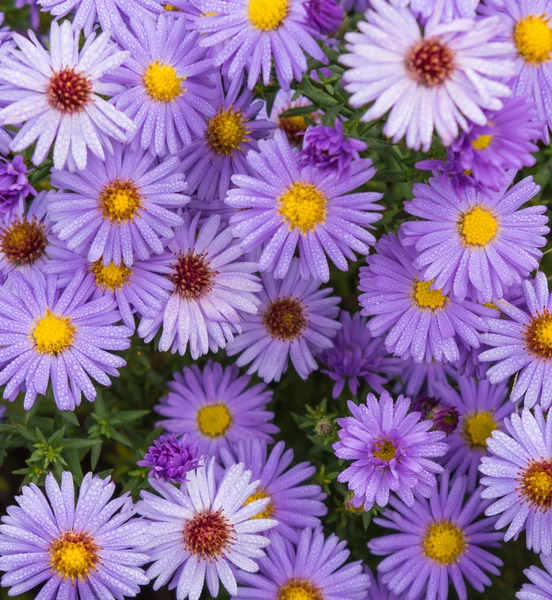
[
  {"x": 69, "y": 91},
  {"x": 285, "y": 319},
  {"x": 192, "y": 277},
  {"x": 208, "y": 534},
  {"x": 430, "y": 62}
]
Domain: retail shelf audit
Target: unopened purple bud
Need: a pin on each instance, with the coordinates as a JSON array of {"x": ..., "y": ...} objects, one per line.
[
  {"x": 445, "y": 418},
  {"x": 424, "y": 405},
  {"x": 171, "y": 459}
]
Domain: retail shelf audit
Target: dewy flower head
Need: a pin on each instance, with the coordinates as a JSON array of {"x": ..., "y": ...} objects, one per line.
[
  {"x": 472, "y": 244},
  {"x": 285, "y": 206},
  {"x": 87, "y": 547},
  {"x": 203, "y": 530},
  {"x": 439, "y": 80},
  {"x": 60, "y": 96},
  {"x": 171, "y": 459}
]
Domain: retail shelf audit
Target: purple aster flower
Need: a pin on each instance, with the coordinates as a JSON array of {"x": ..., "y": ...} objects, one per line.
[
  {"x": 213, "y": 289},
  {"x": 286, "y": 205},
  {"x": 438, "y": 540},
  {"x": 215, "y": 406},
  {"x": 58, "y": 335},
  {"x": 481, "y": 156},
  {"x": 422, "y": 323},
  {"x": 391, "y": 450},
  {"x": 521, "y": 342},
  {"x": 220, "y": 152},
  {"x": 439, "y": 80},
  {"x": 357, "y": 356},
  {"x": 328, "y": 149},
  {"x": 296, "y": 319},
  {"x": 378, "y": 590},
  {"x": 293, "y": 504},
  {"x": 203, "y": 530},
  {"x": 37, "y": 96},
  {"x": 482, "y": 408},
  {"x": 14, "y": 188},
  {"x": 167, "y": 87},
  {"x": 119, "y": 208},
  {"x": 472, "y": 244},
  {"x": 171, "y": 459},
  {"x": 314, "y": 568},
  {"x": 253, "y": 32},
  {"x": 77, "y": 551},
  {"x": 326, "y": 16},
  {"x": 540, "y": 587},
  {"x": 519, "y": 478}
]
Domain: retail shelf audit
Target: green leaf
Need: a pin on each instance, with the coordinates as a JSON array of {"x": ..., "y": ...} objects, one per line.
[
  {"x": 95, "y": 455},
  {"x": 78, "y": 443},
  {"x": 70, "y": 417}
]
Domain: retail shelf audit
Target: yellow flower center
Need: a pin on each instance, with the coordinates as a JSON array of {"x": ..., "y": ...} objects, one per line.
[
  {"x": 292, "y": 126},
  {"x": 478, "y": 427},
  {"x": 213, "y": 420},
  {"x": 259, "y": 495},
  {"x": 477, "y": 226},
  {"x": 299, "y": 589},
  {"x": 384, "y": 449},
  {"x": 73, "y": 555},
  {"x": 533, "y": 38},
  {"x": 444, "y": 542},
  {"x": 227, "y": 131},
  {"x": 482, "y": 142},
  {"x": 538, "y": 335},
  {"x": 268, "y": 14},
  {"x": 490, "y": 305},
  {"x": 426, "y": 298},
  {"x": 170, "y": 7},
  {"x": 110, "y": 276},
  {"x": 536, "y": 484},
  {"x": 120, "y": 201},
  {"x": 162, "y": 82},
  {"x": 53, "y": 334},
  {"x": 303, "y": 206}
]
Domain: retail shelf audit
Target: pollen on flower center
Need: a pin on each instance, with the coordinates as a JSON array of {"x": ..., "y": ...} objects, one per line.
[
  {"x": 477, "y": 227},
  {"x": 69, "y": 91},
  {"x": 120, "y": 201},
  {"x": 23, "y": 242},
  {"x": 192, "y": 277},
  {"x": 208, "y": 534},
  {"x": 227, "y": 131},
  {"x": 303, "y": 206},
  {"x": 292, "y": 126},
  {"x": 478, "y": 427},
  {"x": 538, "y": 335},
  {"x": 53, "y": 334},
  {"x": 285, "y": 319},
  {"x": 110, "y": 276},
  {"x": 213, "y": 420},
  {"x": 430, "y": 62},
  {"x": 384, "y": 449},
  {"x": 444, "y": 542},
  {"x": 426, "y": 298},
  {"x": 73, "y": 555},
  {"x": 162, "y": 83},
  {"x": 267, "y": 15},
  {"x": 482, "y": 142},
  {"x": 299, "y": 589},
  {"x": 260, "y": 494},
  {"x": 536, "y": 484},
  {"x": 533, "y": 38}
]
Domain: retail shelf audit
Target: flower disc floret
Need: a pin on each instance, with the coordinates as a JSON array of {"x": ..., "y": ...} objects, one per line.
[
  {"x": 73, "y": 555},
  {"x": 533, "y": 38},
  {"x": 267, "y": 15},
  {"x": 444, "y": 542},
  {"x": 162, "y": 83},
  {"x": 214, "y": 420}
]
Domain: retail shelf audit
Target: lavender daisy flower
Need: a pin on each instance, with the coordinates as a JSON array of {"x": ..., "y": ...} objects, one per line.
[
  {"x": 293, "y": 504},
  {"x": 472, "y": 244},
  {"x": 167, "y": 88},
  {"x": 439, "y": 80},
  {"x": 481, "y": 156},
  {"x": 482, "y": 409},
  {"x": 518, "y": 479},
  {"x": 327, "y": 149},
  {"x": 521, "y": 342},
  {"x": 119, "y": 208},
  {"x": 210, "y": 161},
  {"x": 253, "y": 32},
  {"x": 391, "y": 450},
  {"x": 438, "y": 540},
  {"x": 59, "y": 95},
  {"x": 313, "y": 569},
  {"x": 296, "y": 319},
  {"x": 357, "y": 356},
  {"x": 14, "y": 188},
  {"x": 213, "y": 289},
  {"x": 203, "y": 530},
  {"x": 58, "y": 335},
  {"x": 215, "y": 406},
  {"x": 171, "y": 459},
  {"x": 77, "y": 551},
  {"x": 540, "y": 587},
  {"x": 326, "y": 16},
  {"x": 287, "y": 206},
  {"x": 422, "y": 323}
]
